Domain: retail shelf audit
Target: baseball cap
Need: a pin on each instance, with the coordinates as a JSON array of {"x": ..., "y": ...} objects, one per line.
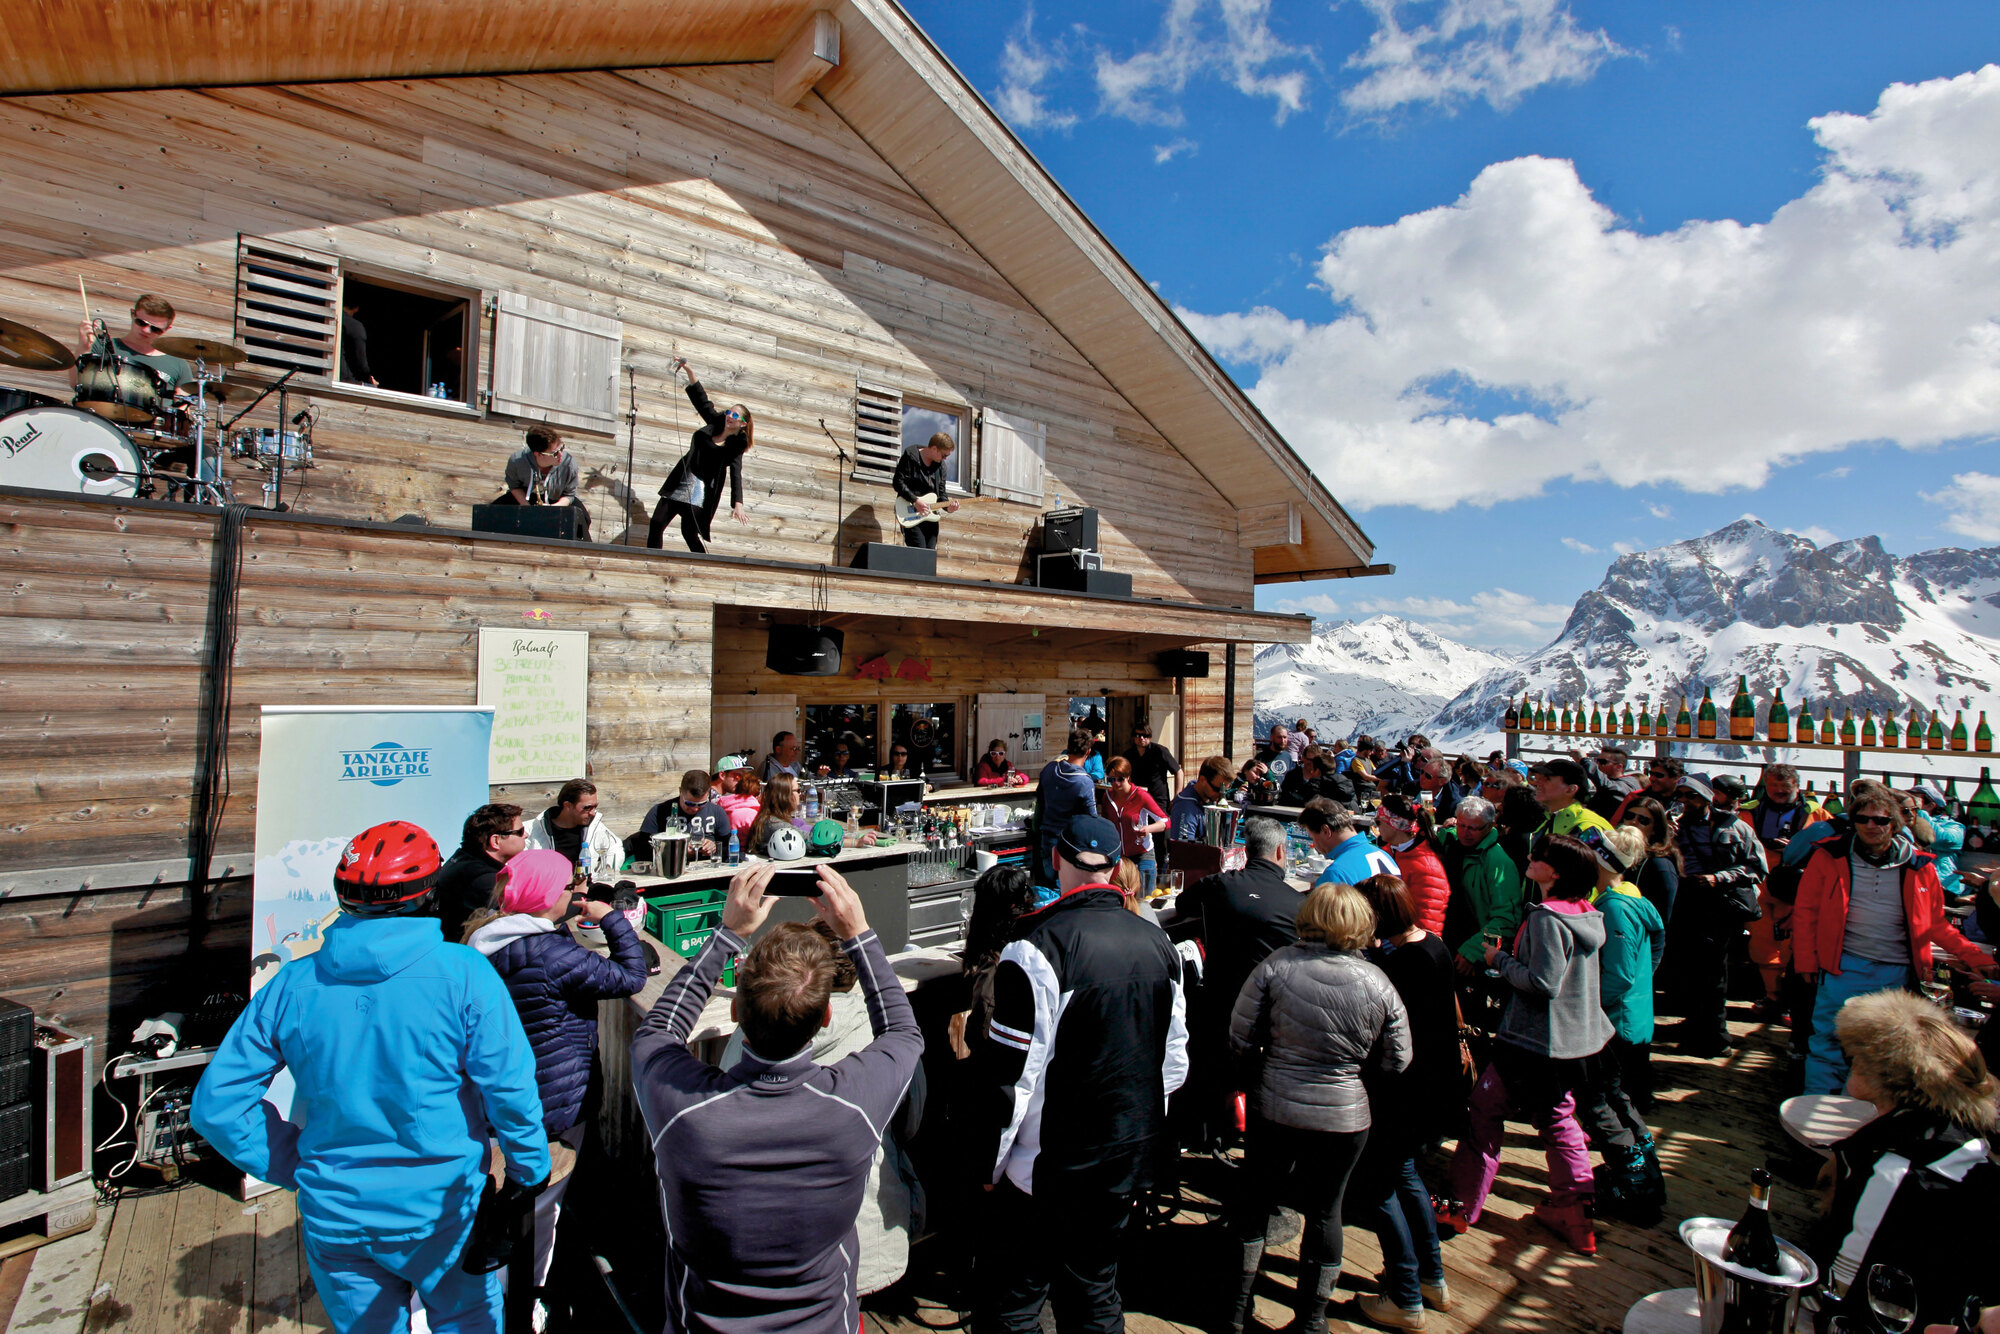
[
  {"x": 1563, "y": 771},
  {"x": 1091, "y": 842},
  {"x": 1696, "y": 784},
  {"x": 728, "y": 762},
  {"x": 784, "y": 844},
  {"x": 1929, "y": 792},
  {"x": 825, "y": 839}
]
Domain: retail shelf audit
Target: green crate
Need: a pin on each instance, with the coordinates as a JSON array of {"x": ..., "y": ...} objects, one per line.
[{"x": 685, "y": 921}]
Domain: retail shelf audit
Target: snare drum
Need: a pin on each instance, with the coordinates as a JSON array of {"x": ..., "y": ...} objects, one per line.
[
  {"x": 260, "y": 446},
  {"x": 120, "y": 389},
  {"x": 64, "y": 449}
]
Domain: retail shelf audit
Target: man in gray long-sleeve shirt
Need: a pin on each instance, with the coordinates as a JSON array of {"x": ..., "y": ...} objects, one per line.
[{"x": 762, "y": 1166}]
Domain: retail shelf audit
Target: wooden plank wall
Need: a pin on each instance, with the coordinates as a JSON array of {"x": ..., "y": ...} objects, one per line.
[{"x": 769, "y": 245}]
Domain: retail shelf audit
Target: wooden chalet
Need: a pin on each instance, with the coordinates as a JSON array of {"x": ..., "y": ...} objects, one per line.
[{"x": 540, "y": 207}]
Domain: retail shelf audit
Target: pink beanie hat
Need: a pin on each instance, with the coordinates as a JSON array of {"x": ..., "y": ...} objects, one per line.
[{"x": 534, "y": 880}]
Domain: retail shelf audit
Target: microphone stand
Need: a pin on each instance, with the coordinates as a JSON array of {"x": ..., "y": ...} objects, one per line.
[
  {"x": 840, "y": 491},
  {"x": 631, "y": 444}
]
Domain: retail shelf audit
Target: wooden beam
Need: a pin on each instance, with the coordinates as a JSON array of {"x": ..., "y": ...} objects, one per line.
[
  {"x": 1344, "y": 572},
  {"x": 1279, "y": 525},
  {"x": 812, "y": 51}
]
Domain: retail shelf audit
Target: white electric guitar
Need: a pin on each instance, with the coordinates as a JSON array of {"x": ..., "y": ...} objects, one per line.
[{"x": 907, "y": 516}]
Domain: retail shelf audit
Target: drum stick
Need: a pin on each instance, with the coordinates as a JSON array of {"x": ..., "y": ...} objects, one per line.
[{"x": 87, "y": 316}]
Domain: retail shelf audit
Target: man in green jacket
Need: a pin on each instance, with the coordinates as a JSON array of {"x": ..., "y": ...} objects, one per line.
[{"x": 1485, "y": 886}]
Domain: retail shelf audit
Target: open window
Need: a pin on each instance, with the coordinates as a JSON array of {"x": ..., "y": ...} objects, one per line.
[
  {"x": 921, "y": 421},
  {"x": 833, "y": 728},
  {"x": 406, "y": 337},
  {"x": 929, "y": 732}
]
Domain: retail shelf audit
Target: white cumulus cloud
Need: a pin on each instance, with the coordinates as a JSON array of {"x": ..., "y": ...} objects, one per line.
[
  {"x": 1973, "y": 504},
  {"x": 1025, "y": 65},
  {"x": 1462, "y": 51},
  {"x": 1312, "y": 604},
  {"x": 1165, "y": 153},
  {"x": 1576, "y": 544},
  {"x": 1146, "y": 85},
  {"x": 1818, "y": 536},
  {"x": 1523, "y": 334},
  {"x": 1498, "y": 618},
  {"x": 1660, "y": 511}
]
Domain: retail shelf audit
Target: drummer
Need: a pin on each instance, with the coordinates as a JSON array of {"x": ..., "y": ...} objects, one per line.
[{"x": 152, "y": 316}]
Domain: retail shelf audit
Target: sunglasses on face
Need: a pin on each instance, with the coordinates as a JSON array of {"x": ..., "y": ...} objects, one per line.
[
  {"x": 516, "y": 832},
  {"x": 1877, "y": 820},
  {"x": 148, "y": 325}
]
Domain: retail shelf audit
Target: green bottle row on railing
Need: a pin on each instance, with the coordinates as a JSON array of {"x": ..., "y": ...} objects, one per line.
[{"x": 1779, "y": 726}]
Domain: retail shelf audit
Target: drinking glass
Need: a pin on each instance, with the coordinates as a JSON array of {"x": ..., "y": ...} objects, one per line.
[
  {"x": 1892, "y": 1296},
  {"x": 1494, "y": 940}
]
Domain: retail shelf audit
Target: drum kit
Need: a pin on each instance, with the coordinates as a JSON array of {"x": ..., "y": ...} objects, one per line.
[{"x": 128, "y": 432}]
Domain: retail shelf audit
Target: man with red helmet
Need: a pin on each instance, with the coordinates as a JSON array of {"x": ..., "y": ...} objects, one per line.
[{"x": 403, "y": 1051}]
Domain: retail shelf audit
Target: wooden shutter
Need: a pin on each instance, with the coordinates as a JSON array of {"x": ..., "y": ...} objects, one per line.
[
  {"x": 1011, "y": 450},
  {"x": 555, "y": 364},
  {"x": 287, "y": 306},
  {"x": 1164, "y": 713},
  {"x": 878, "y": 430}
]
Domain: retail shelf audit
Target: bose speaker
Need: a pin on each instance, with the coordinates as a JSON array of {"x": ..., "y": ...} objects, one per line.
[
  {"x": 1182, "y": 662},
  {"x": 803, "y": 650}
]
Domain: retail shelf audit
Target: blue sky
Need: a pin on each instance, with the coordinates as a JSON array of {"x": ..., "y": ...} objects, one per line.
[{"x": 1526, "y": 281}]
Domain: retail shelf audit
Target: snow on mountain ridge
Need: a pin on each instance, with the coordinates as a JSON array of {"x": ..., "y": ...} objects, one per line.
[{"x": 1381, "y": 675}]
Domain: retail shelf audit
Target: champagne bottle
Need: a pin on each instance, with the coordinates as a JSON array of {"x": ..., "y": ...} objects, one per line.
[
  {"x": 1847, "y": 737},
  {"x": 1832, "y": 804},
  {"x": 1913, "y": 735},
  {"x": 1596, "y": 719},
  {"x": 1934, "y": 738},
  {"x": 1804, "y": 729},
  {"x": 1982, "y": 736},
  {"x": 1742, "y": 713},
  {"x": 1868, "y": 737},
  {"x": 1683, "y": 721},
  {"x": 1984, "y": 808},
  {"x": 1951, "y": 805},
  {"x": 1645, "y": 717},
  {"x": 1510, "y": 721},
  {"x": 1565, "y": 719},
  {"x": 1960, "y": 740},
  {"x": 1892, "y": 735},
  {"x": 1826, "y": 732},
  {"x": 1704, "y": 726},
  {"x": 1780, "y": 728},
  {"x": 1751, "y": 1242},
  {"x": 1626, "y": 725}
]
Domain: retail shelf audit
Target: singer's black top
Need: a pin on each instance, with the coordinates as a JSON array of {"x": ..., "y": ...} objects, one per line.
[{"x": 710, "y": 454}]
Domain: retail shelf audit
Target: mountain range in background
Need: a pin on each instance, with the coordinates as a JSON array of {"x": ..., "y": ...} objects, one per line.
[{"x": 1844, "y": 626}]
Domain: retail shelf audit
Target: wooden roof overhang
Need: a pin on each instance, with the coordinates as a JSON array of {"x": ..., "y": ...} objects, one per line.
[{"x": 892, "y": 85}]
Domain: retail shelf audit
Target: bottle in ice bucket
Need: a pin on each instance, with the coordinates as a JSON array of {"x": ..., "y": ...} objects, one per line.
[
  {"x": 1684, "y": 721},
  {"x": 1704, "y": 723},
  {"x": 1780, "y": 728},
  {"x": 1982, "y": 736},
  {"x": 1751, "y": 1242},
  {"x": 1868, "y": 737},
  {"x": 1742, "y": 713}
]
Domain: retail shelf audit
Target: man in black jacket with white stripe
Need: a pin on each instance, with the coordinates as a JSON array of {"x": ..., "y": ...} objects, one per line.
[{"x": 1088, "y": 1037}]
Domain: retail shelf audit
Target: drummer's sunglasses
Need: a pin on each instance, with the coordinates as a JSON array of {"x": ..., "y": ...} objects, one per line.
[{"x": 149, "y": 326}]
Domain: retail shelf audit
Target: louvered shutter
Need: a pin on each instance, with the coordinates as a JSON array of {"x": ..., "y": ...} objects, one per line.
[
  {"x": 287, "y": 306},
  {"x": 1011, "y": 451},
  {"x": 878, "y": 430},
  {"x": 555, "y": 364}
]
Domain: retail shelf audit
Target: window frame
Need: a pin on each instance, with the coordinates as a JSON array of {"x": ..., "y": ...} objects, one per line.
[
  {"x": 476, "y": 300},
  {"x": 962, "y": 452}
]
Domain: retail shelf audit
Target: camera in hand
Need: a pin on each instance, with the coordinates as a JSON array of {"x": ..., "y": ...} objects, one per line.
[{"x": 794, "y": 885}]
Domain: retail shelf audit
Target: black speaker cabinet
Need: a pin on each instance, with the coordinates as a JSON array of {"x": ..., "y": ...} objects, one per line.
[
  {"x": 1079, "y": 572},
  {"x": 561, "y": 521},
  {"x": 1069, "y": 530},
  {"x": 895, "y": 558},
  {"x": 1182, "y": 662},
  {"x": 803, "y": 650}
]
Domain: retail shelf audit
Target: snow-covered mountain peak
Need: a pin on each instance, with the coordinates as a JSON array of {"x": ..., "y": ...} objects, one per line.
[{"x": 1385, "y": 674}]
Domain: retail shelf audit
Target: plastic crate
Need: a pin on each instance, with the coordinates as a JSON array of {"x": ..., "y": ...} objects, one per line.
[{"x": 685, "y": 921}]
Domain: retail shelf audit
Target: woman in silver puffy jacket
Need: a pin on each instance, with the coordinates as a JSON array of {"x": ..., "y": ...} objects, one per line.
[{"x": 1308, "y": 1019}]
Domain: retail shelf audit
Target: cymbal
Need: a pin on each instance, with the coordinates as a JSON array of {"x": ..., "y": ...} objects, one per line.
[
  {"x": 228, "y": 393},
  {"x": 30, "y": 349},
  {"x": 124, "y": 413},
  {"x": 211, "y": 350}
]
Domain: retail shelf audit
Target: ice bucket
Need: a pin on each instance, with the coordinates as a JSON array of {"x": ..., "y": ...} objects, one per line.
[
  {"x": 1220, "y": 831},
  {"x": 670, "y": 854},
  {"x": 1744, "y": 1299}
]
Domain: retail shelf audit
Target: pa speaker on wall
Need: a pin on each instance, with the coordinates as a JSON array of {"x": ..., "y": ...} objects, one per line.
[
  {"x": 1182, "y": 662},
  {"x": 803, "y": 650}
]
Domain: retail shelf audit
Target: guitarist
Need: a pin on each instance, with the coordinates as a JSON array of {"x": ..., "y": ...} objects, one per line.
[{"x": 919, "y": 473}]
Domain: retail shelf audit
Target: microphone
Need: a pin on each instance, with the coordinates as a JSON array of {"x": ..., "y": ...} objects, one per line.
[{"x": 299, "y": 417}]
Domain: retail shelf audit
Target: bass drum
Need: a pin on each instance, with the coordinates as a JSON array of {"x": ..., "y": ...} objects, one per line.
[{"x": 67, "y": 449}]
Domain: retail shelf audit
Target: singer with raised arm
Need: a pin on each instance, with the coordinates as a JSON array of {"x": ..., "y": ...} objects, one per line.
[
  {"x": 694, "y": 488},
  {"x": 920, "y": 481}
]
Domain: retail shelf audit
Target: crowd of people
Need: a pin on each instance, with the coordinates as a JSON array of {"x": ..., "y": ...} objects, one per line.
[{"x": 1486, "y": 942}]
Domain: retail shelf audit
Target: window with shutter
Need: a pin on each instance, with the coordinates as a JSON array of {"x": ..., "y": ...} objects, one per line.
[
  {"x": 287, "y": 306},
  {"x": 1011, "y": 451},
  {"x": 555, "y": 364},
  {"x": 878, "y": 431}
]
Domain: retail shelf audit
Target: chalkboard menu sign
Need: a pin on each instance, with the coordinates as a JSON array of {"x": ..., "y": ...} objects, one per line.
[{"x": 538, "y": 684}]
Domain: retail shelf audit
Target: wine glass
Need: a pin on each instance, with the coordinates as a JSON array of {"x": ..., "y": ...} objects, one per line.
[{"x": 1892, "y": 1296}]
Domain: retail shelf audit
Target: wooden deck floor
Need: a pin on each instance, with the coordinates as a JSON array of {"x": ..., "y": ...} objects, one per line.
[{"x": 197, "y": 1259}]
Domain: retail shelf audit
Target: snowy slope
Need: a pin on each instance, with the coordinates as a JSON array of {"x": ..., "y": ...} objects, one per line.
[
  {"x": 1846, "y": 625},
  {"x": 1384, "y": 676}
]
